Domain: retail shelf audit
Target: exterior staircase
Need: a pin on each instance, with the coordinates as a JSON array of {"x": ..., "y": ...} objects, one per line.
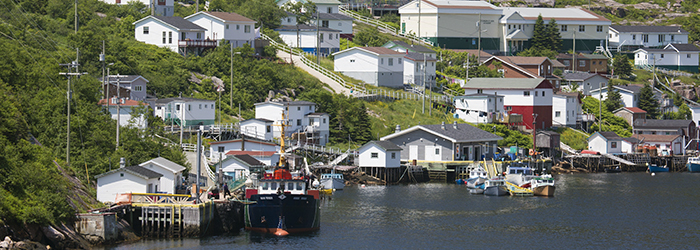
[{"x": 382, "y": 26}]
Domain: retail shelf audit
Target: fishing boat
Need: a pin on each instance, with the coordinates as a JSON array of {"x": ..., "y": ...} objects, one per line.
[
  {"x": 542, "y": 185},
  {"x": 693, "y": 164},
  {"x": 653, "y": 168},
  {"x": 479, "y": 189},
  {"x": 477, "y": 177},
  {"x": 519, "y": 175},
  {"x": 332, "y": 181},
  {"x": 281, "y": 202},
  {"x": 495, "y": 187}
]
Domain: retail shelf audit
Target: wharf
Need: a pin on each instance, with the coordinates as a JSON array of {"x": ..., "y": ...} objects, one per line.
[
  {"x": 449, "y": 171},
  {"x": 626, "y": 162}
]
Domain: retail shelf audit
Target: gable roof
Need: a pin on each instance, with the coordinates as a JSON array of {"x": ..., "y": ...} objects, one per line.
[
  {"x": 373, "y": 50},
  {"x": 633, "y": 110},
  {"x": 580, "y": 76},
  {"x": 251, "y": 153},
  {"x": 165, "y": 163},
  {"x": 463, "y": 133},
  {"x": 257, "y": 119},
  {"x": 292, "y": 103},
  {"x": 228, "y": 16},
  {"x": 506, "y": 83},
  {"x": 648, "y": 29},
  {"x": 135, "y": 170},
  {"x": 333, "y": 16},
  {"x": 123, "y": 78},
  {"x": 642, "y": 138},
  {"x": 483, "y": 56},
  {"x": 247, "y": 140},
  {"x": 661, "y": 124},
  {"x": 561, "y": 15},
  {"x": 128, "y": 102},
  {"x": 446, "y": 4},
  {"x": 413, "y": 47},
  {"x": 175, "y": 22},
  {"x": 634, "y": 88},
  {"x": 610, "y": 135},
  {"x": 684, "y": 47},
  {"x": 247, "y": 159},
  {"x": 386, "y": 145},
  {"x": 512, "y": 65},
  {"x": 419, "y": 57}
]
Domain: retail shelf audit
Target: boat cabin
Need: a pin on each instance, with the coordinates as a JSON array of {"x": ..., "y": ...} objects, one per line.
[
  {"x": 478, "y": 172},
  {"x": 495, "y": 182},
  {"x": 519, "y": 170},
  {"x": 332, "y": 176}
]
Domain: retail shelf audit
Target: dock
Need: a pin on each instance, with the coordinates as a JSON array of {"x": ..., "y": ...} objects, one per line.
[{"x": 626, "y": 162}]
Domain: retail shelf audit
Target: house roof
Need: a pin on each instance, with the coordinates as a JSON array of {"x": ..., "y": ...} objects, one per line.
[
  {"x": 579, "y": 76},
  {"x": 446, "y": 4},
  {"x": 386, "y": 145},
  {"x": 413, "y": 56},
  {"x": 178, "y": 22},
  {"x": 247, "y": 159},
  {"x": 124, "y": 78},
  {"x": 478, "y": 95},
  {"x": 661, "y": 124},
  {"x": 595, "y": 56},
  {"x": 634, "y": 88},
  {"x": 182, "y": 99},
  {"x": 685, "y": 47},
  {"x": 647, "y": 29},
  {"x": 229, "y": 16},
  {"x": 524, "y": 60},
  {"x": 317, "y": 114},
  {"x": 379, "y": 50},
  {"x": 135, "y": 170},
  {"x": 333, "y": 16},
  {"x": 506, "y": 83},
  {"x": 610, "y": 135},
  {"x": 165, "y": 163},
  {"x": 128, "y": 102},
  {"x": 257, "y": 119},
  {"x": 413, "y": 47},
  {"x": 304, "y": 27},
  {"x": 463, "y": 133},
  {"x": 630, "y": 109},
  {"x": 325, "y": 1},
  {"x": 514, "y": 64},
  {"x": 547, "y": 132},
  {"x": 642, "y": 138},
  {"x": 292, "y": 103},
  {"x": 559, "y": 14},
  {"x": 483, "y": 56},
  {"x": 251, "y": 153},
  {"x": 247, "y": 140}
]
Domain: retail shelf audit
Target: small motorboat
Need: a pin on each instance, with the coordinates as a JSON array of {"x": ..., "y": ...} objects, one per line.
[
  {"x": 693, "y": 164},
  {"x": 543, "y": 185},
  {"x": 495, "y": 187},
  {"x": 656, "y": 169}
]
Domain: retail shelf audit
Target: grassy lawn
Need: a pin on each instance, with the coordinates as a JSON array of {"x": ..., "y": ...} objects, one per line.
[
  {"x": 406, "y": 113},
  {"x": 572, "y": 138}
]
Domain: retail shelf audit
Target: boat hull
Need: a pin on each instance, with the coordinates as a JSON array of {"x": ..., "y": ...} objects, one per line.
[
  {"x": 476, "y": 191},
  {"x": 496, "y": 191},
  {"x": 693, "y": 167},
  {"x": 475, "y": 182},
  {"x": 282, "y": 214},
  {"x": 655, "y": 169},
  {"x": 546, "y": 190},
  {"x": 333, "y": 183}
]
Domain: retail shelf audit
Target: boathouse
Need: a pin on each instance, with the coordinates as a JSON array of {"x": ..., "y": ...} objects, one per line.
[
  {"x": 381, "y": 159},
  {"x": 132, "y": 179},
  {"x": 172, "y": 173}
]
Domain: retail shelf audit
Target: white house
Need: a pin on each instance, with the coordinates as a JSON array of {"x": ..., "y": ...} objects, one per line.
[
  {"x": 419, "y": 68},
  {"x": 239, "y": 166},
  {"x": 132, "y": 86},
  {"x": 682, "y": 57},
  {"x": 257, "y": 128},
  {"x": 629, "y": 94},
  {"x": 172, "y": 32},
  {"x": 525, "y": 96},
  {"x": 583, "y": 81},
  {"x": 126, "y": 113},
  {"x": 160, "y": 7},
  {"x": 377, "y": 66},
  {"x": 309, "y": 38},
  {"x": 605, "y": 142},
  {"x": 474, "y": 24},
  {"x": 623, "y": 37},
  {"x": 247, "y": 145},
  {"x": 229, "y": 26},
  {"x": 301, "y": 118},
  {"x": 402, "y": 47},
  {"x": 171, "y": 172},
  {"x": 478, "y": 108},
  {"x": 185, "y": 111},
  {"x": 268, "y": 158},
  {"x": 133, "y": 179},
  {"x": 379, "y": 154},
  {"x": 566, "y": 108}
]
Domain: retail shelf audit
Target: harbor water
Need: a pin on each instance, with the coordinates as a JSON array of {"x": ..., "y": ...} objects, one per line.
[{"x": 594, "y": 211}]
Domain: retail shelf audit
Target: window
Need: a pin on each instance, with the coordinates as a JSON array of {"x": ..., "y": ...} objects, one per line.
[
  {"x": 543, "y": 93},
  {"x": 145, "y": 30},
  {"x": 330, "y": 36},
  {"x": 177, "y": 107},
  {"x": 220, "y": 149},
  {"x": 687, "y": 56},
  {"x": 535, "y": 93},
  {"x": 599, "y": 28},
  {"x": 375, "y": 155},
  {"x": 662, "y": 55},
  {"x": 227, "y": 24},
  {"x": 121, "y": 174},
  {"x": 634, "y": 37},
  {"x": 170, "y": 37},
  {"x": 645, "y": 38},
  {"x": 324, "y": 120},
  {"x": 672, "y": 37},
  {"x": 582, "y": 28},
  {"x": 557, "y": 113},
  {"x": 520, "y": 26},
  {"x": 321, "y": 35},
  {"x": 393, "y": 155},
  {"x": 508, "y": 26},
  {"x": 391, "y": 61},
  {"x": 238, "y": 27},
  {"x": 582, "y": 63},
  {"x": 381, "y": 61},
  {"x": 247, "y": 29},
  {"x": 352, "y": 60},
  {"x": 330, "y": 9},
  {"x": 163, "y": 37},
  {"x": 400, "y": 59},
  {"x": 564, "y": 28},
  {"x": 267, "y": 128},
  {"x": 479, "y": 91},
  {"x": 138, "y": 88},
  {"x": 567, "y": 63},
  {"x": 613, "y": 144},
  {"x": 324, "y": 24},
  {"x": 661, "y": 38},
  {"x": 526, "y": 93},
  {"x": 189, "y": 107},
  {"x": 199, "y": 35},
  {"x": 183, "y": 35},
  {"x": 437, "y": 151},
  {"x": 212, "y": 106},
  {"x": 200, "y": 106},
  {"x": 336, "y": 36},
  {"x": 298, "y": 108}
]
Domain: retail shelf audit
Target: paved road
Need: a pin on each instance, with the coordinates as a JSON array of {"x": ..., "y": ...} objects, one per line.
[{"x": 332, "y": 85}]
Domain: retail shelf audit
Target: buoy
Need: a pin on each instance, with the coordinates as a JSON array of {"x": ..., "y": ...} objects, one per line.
[
  {"x": 652, "y": 174},
  {"x": 363, "y": 185},
  {"x": 281, "y": 232}
]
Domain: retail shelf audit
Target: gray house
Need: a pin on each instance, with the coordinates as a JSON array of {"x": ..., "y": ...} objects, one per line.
[
  {"x": 585, "y": 81},
  {"x": 131, "y": 86},
  {"x": 441, "y": 142}
]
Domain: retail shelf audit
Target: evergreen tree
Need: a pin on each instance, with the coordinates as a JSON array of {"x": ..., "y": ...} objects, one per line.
[
  {"x": 614, "y": 100},
  {"x": 539, "y": 37},
  {"x": 648, "y": 102},
  {"x": 553, "y": 35},
  {"x": 622, "y": 66}
]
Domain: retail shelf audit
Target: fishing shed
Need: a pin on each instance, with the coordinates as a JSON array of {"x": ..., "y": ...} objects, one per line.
[{"x": 548, "y": 141}]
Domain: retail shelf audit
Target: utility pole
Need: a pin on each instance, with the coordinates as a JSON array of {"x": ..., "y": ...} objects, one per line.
[
  {"x": 419, "y": 14},
  {"x": 318, "y": 40},
  {"x": 478, "y": 26},
  {"x": 534, "y": 132},
  {"x": 423, "y": 96},
  {"x": 102, "y": 60},
  {"x": 197, "y": 10},
  {"x": 199, "y": 160},
  {"x": 70, "y": 75},
  {"x": 119, "y": 104},
  {"x": 231, "y": 90},
  {"x": 76, "y": 17},
  {"x": 573, "y": 62},
  {"x": 466, "y": 77},
  {"x": 153, "y": 7}
]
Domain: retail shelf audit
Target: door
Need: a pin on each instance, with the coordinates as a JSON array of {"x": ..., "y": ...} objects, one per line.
[
  {"x": 429, "y": 153},
  {"x": 477, "y": 154},
  {"x": 403, "y": 27},
  {"x": 413, "y": 152}
]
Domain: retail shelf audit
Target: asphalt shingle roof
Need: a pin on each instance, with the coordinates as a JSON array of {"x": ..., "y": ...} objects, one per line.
[
  {"x": 413, "y": 47},
  {"x": 413, "y": 56},
  {"x": 684, "y": 47},
  {"x": 230, "y": 16},
  {"x": 577, "y": 76},
  {"x": 463, "y": 133},
  {"x": 143, "y": 171},
  {"x": 642, "y": 28},
  {"x": 610, "y": 135},
  {"x": 333, "y": 16},
  {"x": 248, "y": 160},
  {"x": 166, "y": 163},
  {"x": 179, "y": 22},
  {"x": 123, "y": 78},
  {"x": 653, "y": 123},
  {"x": 386, "y": 145}
]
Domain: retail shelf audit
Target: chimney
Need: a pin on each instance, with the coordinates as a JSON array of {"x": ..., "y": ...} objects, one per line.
[
  {"x": 454, "y": 124},
  {"x": 398, "y": 128},
  {"x": 442, "y": 126},
  {"x": 122, "y": 162}
]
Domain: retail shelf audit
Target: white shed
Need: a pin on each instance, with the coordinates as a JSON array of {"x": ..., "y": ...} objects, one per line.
[
  {"x": 378, "y": 66},
  {"x": 171, "y": 173},
  {"x": 133, "y": 179},
  {"x": 380, "y": 154}
]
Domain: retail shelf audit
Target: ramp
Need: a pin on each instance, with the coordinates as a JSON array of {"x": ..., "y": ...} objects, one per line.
[
  {"x": 620, "y": 160},
  {"x": 566, "y": 148}
]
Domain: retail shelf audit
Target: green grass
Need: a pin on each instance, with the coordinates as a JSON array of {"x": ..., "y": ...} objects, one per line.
[
  {"x": 406, "y": 113},
  {"x": 572, "y": 138}
]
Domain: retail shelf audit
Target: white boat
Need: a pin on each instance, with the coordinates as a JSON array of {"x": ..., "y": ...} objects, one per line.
[
  {"x": 332, "y": 181},
  {"x": 477, "y": 177},
  {"x": 542, "y": 185},
  {"x": 495, "y": 187},
  {"x": 519, "y": 176}
]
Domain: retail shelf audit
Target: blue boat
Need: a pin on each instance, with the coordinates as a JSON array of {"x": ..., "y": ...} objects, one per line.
[
  {"x": 693, "y": 164},
  {"x": 656, "y": 169}
]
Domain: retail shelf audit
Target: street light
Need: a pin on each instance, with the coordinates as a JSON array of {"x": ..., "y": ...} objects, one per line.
[{"x": 231, "y": 90}]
